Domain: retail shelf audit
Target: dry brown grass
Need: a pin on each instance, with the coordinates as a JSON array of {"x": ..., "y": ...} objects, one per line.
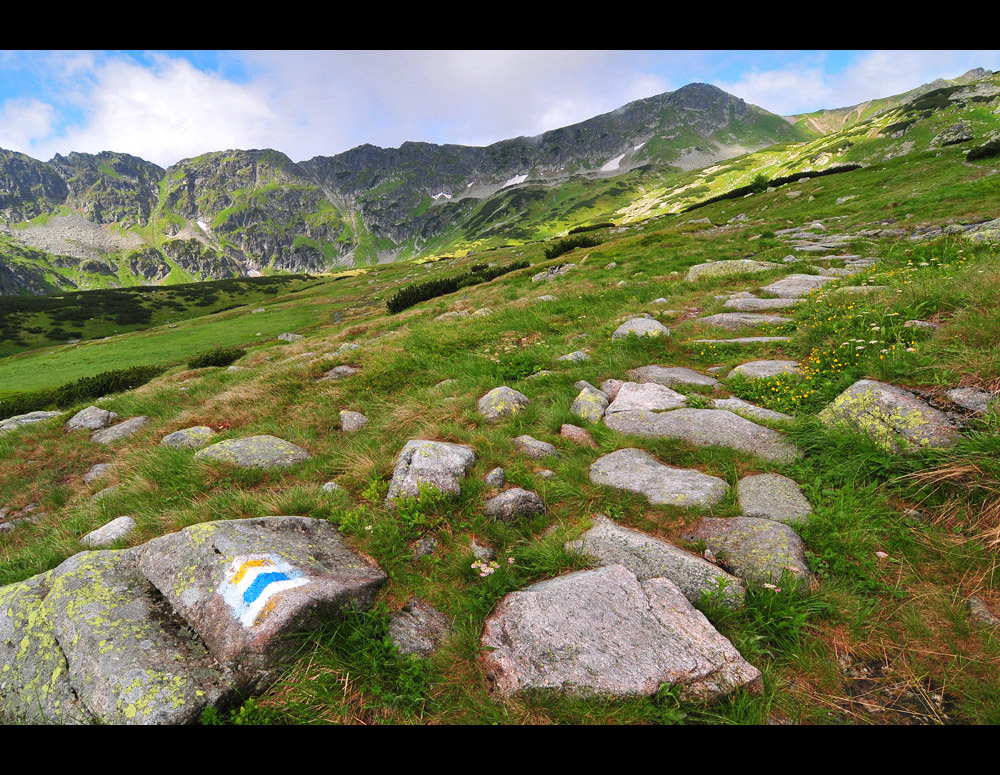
[{"x": 971, "y": 492}]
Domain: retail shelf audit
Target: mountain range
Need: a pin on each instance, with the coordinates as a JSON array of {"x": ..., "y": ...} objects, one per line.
[{"x": 110, "y": 219}]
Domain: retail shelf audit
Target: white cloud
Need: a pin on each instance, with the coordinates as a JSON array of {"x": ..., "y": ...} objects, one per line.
[
  {"x": 23, "y": 122},
  {"x": 164, "y": 113},
  {"x": 808, "y": 83}
]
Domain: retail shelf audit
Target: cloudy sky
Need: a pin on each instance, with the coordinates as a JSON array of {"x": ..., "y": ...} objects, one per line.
[{"x": 165, "y": 106}]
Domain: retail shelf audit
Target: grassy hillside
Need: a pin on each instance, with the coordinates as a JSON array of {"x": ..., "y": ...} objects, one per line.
[{"x": 897, "y": 544}]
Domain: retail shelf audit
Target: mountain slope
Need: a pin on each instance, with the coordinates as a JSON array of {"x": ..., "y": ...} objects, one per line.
[{"x": 824, "y": 122}]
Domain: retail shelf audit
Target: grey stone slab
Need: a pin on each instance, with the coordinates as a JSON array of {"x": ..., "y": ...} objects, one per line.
[
  {"x": 120, "y": 431},
  {"x": 638, "y": 471},
  {"x": 894, "y": 418},
  {"x": 649, "y": 557},
  {"x": 602, "y": 632},
  {"x": 671, "y": 375},
  {"x": 255, "y": 452},
  {"x": 246, "y": 585},
  {"x": 424, "y": 462},
  {"x": 705, "y": 428},
  {"x": 772, "y": 496},
  {"x": 757, "y": 550},
  {"x": 194, "y": 437}
]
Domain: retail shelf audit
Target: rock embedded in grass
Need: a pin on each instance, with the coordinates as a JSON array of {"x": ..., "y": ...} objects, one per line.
[
  {"x": 115, "y": 530},
  {"x": 671, "y": 375},
  {"x": 727, "y": 268},
  {"x": 533, "y": 448},
  {"x": 772, "y": 496},
  {"x": 744, "y": 408},
  {"x": 419, "y": 628},
  {"x": 92, "y": 418},
  {"x": 603, "y": 632},
  {"x": 894, "y": 418},
  {"x": 502, "y": 402},
  {"x": 120, "y": 431},
  {"x": 577, "y": 435},
  {"x": 436, "y": 463},
  {"x": 638, "y": 471},
  {"x": 339, "y": 372},
  {"x": 707, "y": 428},
  {"x": 796, "y": 286},
  {"x": 649, "y": 557},
  {"x": 246, "y": 585},
  {"x": 640, "y": 327},
  {"x": 736, "y": 320},
  {"x": 194, "y": 437},
  {"x": 97, "y": 471},
  {"x": 289, "y": 337},
  {"x": 647, "y": 396},
  {"x": 255, "y": 452},
  {"x": 766, "y": 369},
  {"x": 757, "y": 550},
  {"x": 590, "y": 404},
  {"x": 513, "y": 504},
  {"x": 973, "y": 399},
  {"x": 352, "y": 422},
  {"x": 496, "y": 477},
  {"x": 20, "y": 420}
]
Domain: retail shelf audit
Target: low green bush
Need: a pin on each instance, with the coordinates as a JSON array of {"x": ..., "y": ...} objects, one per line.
[
  {"x": 220, "y": 356},
  {"x": 570, "y": 243},
  {"x": 82, "y": 389},
  {"x": 985, "y": 151}
]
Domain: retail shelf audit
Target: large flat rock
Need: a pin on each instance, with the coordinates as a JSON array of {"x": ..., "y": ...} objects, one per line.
[
  {"x": 728, "y": 268},
  {"x": 34, "y": 675},
  {"x": 759, "y": 305},
  {"x": 748, "y": 410},
  {"x": 649, "y": 557},
  {"x": 734, "y": 321},
  {"x": 255, "y": 452},
  {"x": 638, "y": 471},
  {"x": 424, "y": 462},
  {"x": 603, "y": 632},
  {"x": 131, "y": 661},
  {"x": 795, "y": 286},
  {"x": 647, "y": 396},
  {"x": 707, "y": 428},
  {"x": 895, "y": 418},
  {"x": 245, "y": 585},
  {"x": 671, "y": 375}
]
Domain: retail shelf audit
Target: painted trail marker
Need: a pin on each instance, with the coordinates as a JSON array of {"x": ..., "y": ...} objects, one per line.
[{"x": 252, "y": 583}]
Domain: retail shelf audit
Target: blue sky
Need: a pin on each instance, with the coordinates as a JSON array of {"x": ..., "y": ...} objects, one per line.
[{"x": 168, "y": 105}]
